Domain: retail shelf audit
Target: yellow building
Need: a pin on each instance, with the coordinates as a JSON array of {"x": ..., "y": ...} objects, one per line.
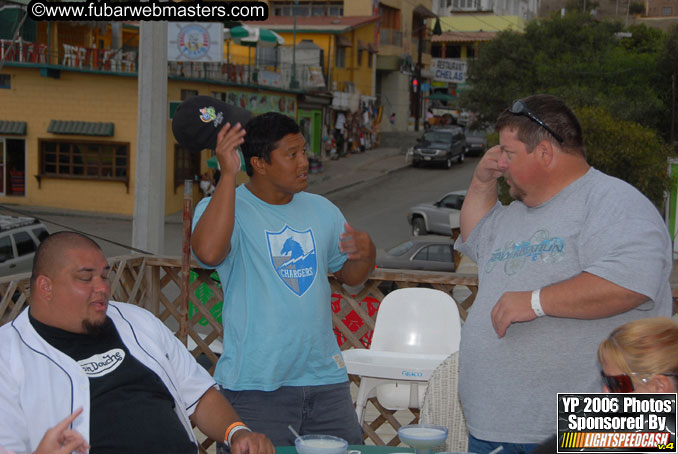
[
  {"x": 68, "y": 120},
  {"x": 464, "y": 31},
  {"x": 347, "y": 43},
  {"x": 389, "y": 42}
]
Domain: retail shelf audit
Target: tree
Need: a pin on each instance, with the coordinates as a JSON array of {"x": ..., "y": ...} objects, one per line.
[
  {"x": 626, "y": 150},
  {"x": 577, "y": 58},
  {"x": 667, "y": 71}
]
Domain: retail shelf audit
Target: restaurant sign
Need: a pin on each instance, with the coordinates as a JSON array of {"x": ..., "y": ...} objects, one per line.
[{"x": 449, "y": 70}]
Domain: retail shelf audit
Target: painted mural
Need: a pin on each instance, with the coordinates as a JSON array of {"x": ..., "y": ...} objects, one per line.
[{"x": 259, "y": 103}]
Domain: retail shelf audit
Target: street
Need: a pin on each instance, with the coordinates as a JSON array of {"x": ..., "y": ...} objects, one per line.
[{"x": 380, "y": 206}]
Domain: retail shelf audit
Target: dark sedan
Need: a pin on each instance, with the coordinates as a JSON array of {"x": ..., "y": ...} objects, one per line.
[
  {"x": 476, "y": 142},
  {"x": 440, "y": 145},
  {"x": 430, "y": 253}
]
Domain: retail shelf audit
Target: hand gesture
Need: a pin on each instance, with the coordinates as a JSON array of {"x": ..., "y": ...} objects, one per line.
[
  {"x": 355, "y": 244},
  {"x": 62, "y": 440},
  {"x": 246, "y": 442},
  {"x": 489, "y": 168},
  {"x": 512, "y": 307},
  {"x": 228, "y": 140}
]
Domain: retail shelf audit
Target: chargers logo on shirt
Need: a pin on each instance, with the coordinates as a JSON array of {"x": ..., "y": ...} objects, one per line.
[{"x": 294, "y": 259}]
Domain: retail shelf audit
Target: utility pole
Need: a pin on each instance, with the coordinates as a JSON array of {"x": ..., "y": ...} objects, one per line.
[
  {"x": 148, "y": 226},
  {"x": 294, "y": 83},
  {"x": 673, "y": 105},
  {"x": 417, "y": 87}
]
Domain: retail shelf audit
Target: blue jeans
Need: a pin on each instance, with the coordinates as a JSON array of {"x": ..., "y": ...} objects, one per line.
[
  {"x": 322, "y": 409},
  {"x": 478, "y": 446}
]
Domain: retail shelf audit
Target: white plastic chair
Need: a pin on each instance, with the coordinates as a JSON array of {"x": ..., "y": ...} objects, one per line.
[
  {"x": 416, "y": 329},
  {"x": 442, "y": 407}
]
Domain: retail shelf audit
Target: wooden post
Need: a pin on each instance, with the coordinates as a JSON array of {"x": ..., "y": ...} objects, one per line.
[
  {"x": 186, "y": 261},
  {"x": 457, "y": 256}
]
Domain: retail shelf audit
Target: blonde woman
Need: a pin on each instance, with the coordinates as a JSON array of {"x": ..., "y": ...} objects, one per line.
[{"x": 641, "y": 356}]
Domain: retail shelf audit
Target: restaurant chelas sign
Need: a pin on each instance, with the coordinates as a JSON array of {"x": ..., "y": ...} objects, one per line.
[{"x": 451, "y": 70}]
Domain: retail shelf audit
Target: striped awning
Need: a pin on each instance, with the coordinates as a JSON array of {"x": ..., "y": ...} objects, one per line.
[
  {"x": 13, "y": 127},
  {"x": 81, "y": 128}
]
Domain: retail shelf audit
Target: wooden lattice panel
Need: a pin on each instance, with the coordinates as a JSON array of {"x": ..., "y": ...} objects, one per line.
[{"x": 154, "y": 283}]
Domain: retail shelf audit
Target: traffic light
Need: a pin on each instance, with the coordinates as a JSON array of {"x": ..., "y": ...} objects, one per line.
[{"x": 415, "y": 85}]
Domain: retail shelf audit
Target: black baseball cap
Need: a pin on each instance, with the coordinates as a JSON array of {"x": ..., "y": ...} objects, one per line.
[{"x": 198, "y": 120}]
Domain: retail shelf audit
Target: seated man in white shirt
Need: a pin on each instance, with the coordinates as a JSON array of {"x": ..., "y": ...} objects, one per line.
[{"x": 140, "y": 389}]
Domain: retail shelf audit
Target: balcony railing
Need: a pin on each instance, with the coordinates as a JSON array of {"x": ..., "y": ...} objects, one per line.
[
  {"x": 237, "y": 70},
  {"x": 388, "y": 36},
  {"x": 69, "y": 56},
  {"x": 153, "y": 282}
]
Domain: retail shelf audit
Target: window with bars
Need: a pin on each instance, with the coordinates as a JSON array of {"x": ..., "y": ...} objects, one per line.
[
  {"x": 186, "y": 165},
  {"x": 267, "y": 56},
  {"x": 82, "y": 159},
  {"x": 309, "y": 8},
  {"x": 340, "y": 57},
  {"x": 185, "y": 94},
  {"x": 390, "y": 17}
]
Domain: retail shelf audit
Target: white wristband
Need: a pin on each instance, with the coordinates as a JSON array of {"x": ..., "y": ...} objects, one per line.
[
  {"x": 233, "y": 431},
  {"x": 536, "y": 303}
]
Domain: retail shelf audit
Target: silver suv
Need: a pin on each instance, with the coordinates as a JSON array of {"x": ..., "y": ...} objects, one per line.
[
  {"x": 19, "y": 239},
  {"x": 437, "y": 217}
]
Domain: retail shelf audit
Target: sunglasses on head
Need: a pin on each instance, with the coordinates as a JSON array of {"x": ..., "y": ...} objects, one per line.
[
  {"x": 520, "y": 108},
  {"x": 623, "y": 383}
]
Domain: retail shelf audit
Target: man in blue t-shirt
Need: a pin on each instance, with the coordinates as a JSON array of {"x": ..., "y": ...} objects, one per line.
[{"x": 273, "y": 245}]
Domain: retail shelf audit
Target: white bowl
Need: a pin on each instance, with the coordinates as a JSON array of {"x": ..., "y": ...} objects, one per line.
[
  {"x": 422, "y": 435},
  {"x": 320, "y": 444}
]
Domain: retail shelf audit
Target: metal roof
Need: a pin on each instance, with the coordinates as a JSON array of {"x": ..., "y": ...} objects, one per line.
[
  {"x": 315, "y": 24},
  {"x": 13, "y": 127},
  {"x": 82, "y": 128},
  {"x": 463, "y": 37}
]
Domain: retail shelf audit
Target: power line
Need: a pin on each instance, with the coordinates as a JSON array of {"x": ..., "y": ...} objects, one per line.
[{"x": 43, "y": 220}]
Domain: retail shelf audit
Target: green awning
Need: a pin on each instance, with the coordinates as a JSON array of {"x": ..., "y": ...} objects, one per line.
[
  {"x": 213, "y": 163},
  {"x": 441, "y": 97},
  {"x": 81, "y": 128},
  {"x": 13, "y": 127}
]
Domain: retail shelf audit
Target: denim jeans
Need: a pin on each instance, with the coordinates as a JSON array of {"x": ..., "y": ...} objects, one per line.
[
  {"x": 478, "y": 446},
  {"x": 322, "y": 409}
]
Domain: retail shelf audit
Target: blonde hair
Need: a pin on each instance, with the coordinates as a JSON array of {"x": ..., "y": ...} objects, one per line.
[{"x": 648, "y": 345}]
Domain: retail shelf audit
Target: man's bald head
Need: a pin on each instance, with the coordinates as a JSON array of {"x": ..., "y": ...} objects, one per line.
[{"x": 51, "y": 253}]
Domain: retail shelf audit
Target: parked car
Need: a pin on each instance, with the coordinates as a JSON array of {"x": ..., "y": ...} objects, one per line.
[
  {"x": 464, "y": 117},
  {"x": 19, "y": 238},
  {"x": 436, "y": 217},
  {"x": 476, "y": 141},
  {"x": 440, "y": 145},
  {"x": 430, "y": 253}
]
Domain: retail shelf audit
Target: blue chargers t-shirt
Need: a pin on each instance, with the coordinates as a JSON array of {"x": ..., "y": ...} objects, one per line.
[{"x": 277, "y": 314}]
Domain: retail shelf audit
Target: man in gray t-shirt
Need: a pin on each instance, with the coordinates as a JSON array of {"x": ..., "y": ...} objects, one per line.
[{"x": 576, "y": 255}]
